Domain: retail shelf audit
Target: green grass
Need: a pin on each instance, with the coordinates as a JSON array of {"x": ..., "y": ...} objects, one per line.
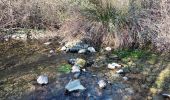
[
  {"x": 132, "y": 54},
  {"x": 64, "y": 68},
  {"x": 137, "y": 57}
]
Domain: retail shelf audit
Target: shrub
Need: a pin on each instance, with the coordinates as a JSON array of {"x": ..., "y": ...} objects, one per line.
[{"x": 32, "y": 13}]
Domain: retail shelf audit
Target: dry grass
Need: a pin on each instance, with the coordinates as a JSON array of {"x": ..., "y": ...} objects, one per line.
[
  {"x": 32, "y": 13},
  {"x": 127, "y": 23},
  {"x": 154, "y": 23}
]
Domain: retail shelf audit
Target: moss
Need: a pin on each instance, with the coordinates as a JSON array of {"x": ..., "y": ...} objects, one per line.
[
  {"x": 80, "y": 62},
  {"x": 64, "y": 68},
  {"x": 127, "y": 54},
  {"x": 162, "y": 78}
]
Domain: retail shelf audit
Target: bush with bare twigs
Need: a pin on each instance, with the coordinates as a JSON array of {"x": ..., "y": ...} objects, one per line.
[{"x": 127, "y": 23}]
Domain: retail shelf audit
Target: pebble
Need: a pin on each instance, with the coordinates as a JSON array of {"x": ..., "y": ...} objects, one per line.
[
  {"x": 91, "y": 49},
  {"x": 113, "y": 66},
  {"x": 125, "y": 78},
  {"x": 149, "y": 98},
  {"x": 120, "y": 71},
  {"x": 88, "y": 94},
  {"x": 47, "y": 43},
  {"x": 75, "y": 69},
  {"x": 109, "y": 82},
  {"x": 64, "y": 48},
  {"x": 81, "y": 51},
  {"x": 166, "y": 95},
  {"x": 52, "y": 51},
  {"x": 108, "y": 48},
  {"x": 102, "y": 84},
  {"x": 110, "y": 66},
  {"x": 42, "y": 79},
  {"x": 84, "y": 70},
  {"x": 94, "y": 75},
  {"x": 6, "y": 39}
]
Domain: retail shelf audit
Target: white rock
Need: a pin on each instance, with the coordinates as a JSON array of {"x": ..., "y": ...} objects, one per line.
[
  {"x": 82, "y": 51},
  {"x": 110, "y": 66},
  {"x": 47, "y": 43},
  {"x": 94, "y": 75},
  {"x": 13, "y": 36},
  {"x": 6, "y": 39},
  {"x": 75, "y": 69},
  {"x": 108, "y": 48},
  {"x": 52, "y": 51},
  {"x": 109, "y": 82},
  {"x": 43, "y": 79},
  {"x": 119, "y": 71},
  {"x": 91, "y": 49},
  {"x": 116, "y": 65},
  {"x": 101, "y": 84},
  {"x": 88, "y": 95},
  {"x": 74, "y": 85},
  {"x": 23, "y": 36},
  {"x": 125, "y": 78},
  {"x": 113, "y": 66},
  {"x": 84, "y": 70},
  {"x": 64, "y": 48},
  {"x": 17, "y": 38},
  {"x": 166, "y": 95}
]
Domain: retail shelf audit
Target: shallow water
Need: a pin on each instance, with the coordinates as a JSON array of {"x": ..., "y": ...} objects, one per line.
[{"x": 21, "y": 63}]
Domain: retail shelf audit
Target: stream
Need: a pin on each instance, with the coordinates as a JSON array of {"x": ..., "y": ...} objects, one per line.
[{"x": 21, "y": 63}]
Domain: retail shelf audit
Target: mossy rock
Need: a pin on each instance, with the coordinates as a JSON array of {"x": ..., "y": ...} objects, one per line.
[{"x": 80, "y": 62}]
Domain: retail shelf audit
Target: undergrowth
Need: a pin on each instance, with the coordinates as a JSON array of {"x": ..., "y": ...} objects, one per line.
[
  {"x": 133, "y": 54},
  {"x": 117, "y": 22}
]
